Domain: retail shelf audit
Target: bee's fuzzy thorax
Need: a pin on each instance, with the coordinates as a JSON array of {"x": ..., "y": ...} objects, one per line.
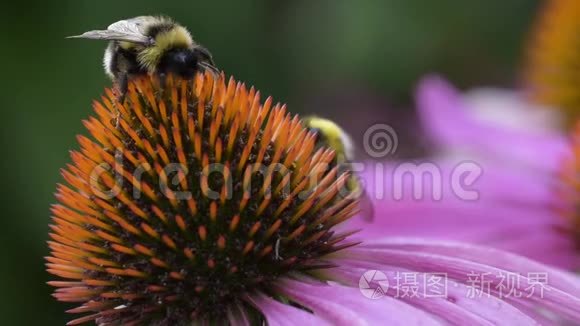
[
  {"x": 172, "y": 37},
  {"x": 135, "y": 243},
  {"x": 334, "y": 136}
]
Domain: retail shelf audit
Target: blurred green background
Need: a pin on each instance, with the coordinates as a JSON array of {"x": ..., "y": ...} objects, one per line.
[{"x": 355, "y": 61}]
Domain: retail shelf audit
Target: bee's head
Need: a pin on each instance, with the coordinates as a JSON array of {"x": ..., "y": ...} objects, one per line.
[
  {"x": 180, "y": 62},
  {"x": 184, "y": 62},
  {"x": 173, "y": 51}
]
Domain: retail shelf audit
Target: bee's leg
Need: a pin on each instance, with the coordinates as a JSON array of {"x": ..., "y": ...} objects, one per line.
[
  {"x": 162, "y": 80},
  {"x": 277, "y": 250},
  {"x": 118, "y": 119},
  {"x": 123, "y": 85}
]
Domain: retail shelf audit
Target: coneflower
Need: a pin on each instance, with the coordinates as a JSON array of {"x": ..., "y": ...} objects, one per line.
[
  {"x": 188, "y": 203},
  {"x": 196, "y": 202},
  {"x": 553, "y": 59}
]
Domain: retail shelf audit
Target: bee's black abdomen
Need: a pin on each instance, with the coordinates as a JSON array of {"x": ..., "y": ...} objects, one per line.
[
  {"x": 126, "y": 62},
  {"x": 123, "y": 65}
]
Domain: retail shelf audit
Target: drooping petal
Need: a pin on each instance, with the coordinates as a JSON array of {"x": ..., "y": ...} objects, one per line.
[{"x": 538, "y": 285}]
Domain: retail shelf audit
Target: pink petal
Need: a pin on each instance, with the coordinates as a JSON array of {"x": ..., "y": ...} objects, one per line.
[
  {"x": 340, "y": 305},
  {"x": 515, "y": 213},
  {"x": 462, "y": 261},
  {"x": 279, "y": 314},
  {"x": 455, "y": 307},
  {"x": 482, "y": 255}
]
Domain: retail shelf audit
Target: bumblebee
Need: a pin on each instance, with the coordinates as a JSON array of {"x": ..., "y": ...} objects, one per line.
[
  {"x": 150, "y": 45},
  {"x": 329, "y": 134}
]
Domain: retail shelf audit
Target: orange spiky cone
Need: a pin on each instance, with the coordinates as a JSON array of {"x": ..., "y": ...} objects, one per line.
[{"x": 189, "y": 197}]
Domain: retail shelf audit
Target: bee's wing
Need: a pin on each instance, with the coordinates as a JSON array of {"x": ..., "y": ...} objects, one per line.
[
  {"x": 113, "y": 36},
  {"x": 366, "y": 207},
  {"x": 133, "y": 26},
  {"x": 365, "y": 204},
  {"x": 130, "y": 30}
]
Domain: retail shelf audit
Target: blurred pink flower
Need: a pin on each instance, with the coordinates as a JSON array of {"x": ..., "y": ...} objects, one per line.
[{"x": 507, "y": 152}]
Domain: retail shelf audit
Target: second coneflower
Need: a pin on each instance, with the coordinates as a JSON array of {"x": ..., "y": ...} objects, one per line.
[
  {"x": 571, "y": 192},
  {"x": 553, "y": 61},
  {"x": 196, "y": 202}
]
